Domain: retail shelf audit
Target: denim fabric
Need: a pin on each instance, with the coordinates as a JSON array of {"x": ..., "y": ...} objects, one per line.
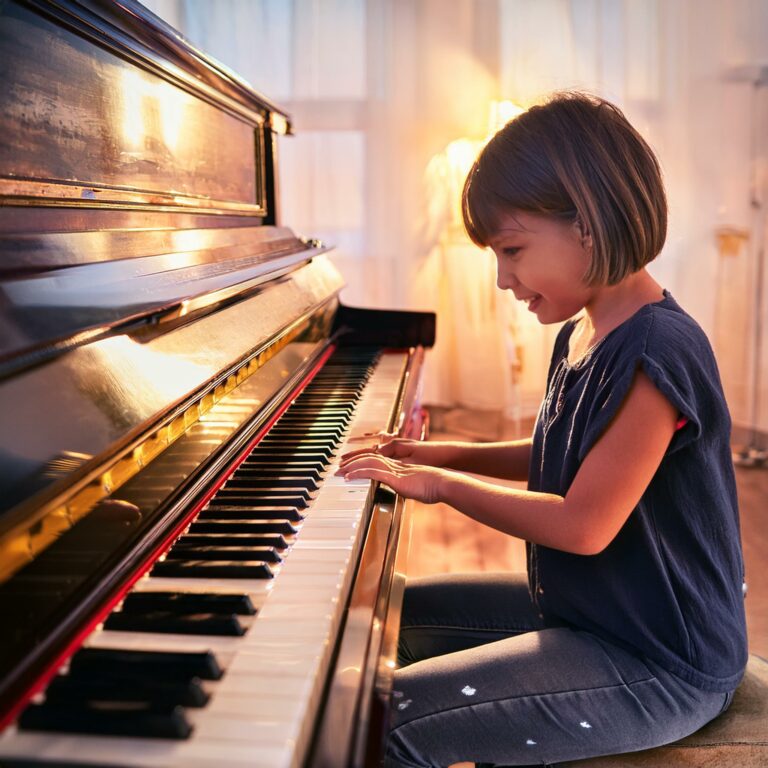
[{"x": 485, "y": 681}]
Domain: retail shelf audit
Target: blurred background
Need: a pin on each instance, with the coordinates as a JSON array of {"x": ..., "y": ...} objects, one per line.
[{"x": 392, "y": 99}]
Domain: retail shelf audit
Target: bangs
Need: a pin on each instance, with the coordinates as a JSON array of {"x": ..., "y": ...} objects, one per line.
[
  {"x": 505, "y": 179},
  {"x": 481, "y": 208}
]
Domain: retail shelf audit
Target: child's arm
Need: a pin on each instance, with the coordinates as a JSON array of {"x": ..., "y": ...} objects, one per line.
[
  {"x": 607, "y": 487},
  {"x": 507, "y": 461}
]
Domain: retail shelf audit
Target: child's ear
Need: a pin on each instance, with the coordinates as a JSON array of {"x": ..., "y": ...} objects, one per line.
[{"x": 584, "y": 234}]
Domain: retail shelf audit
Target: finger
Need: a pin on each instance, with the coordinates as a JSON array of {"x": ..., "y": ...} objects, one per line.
[
  {"x": 375, "y": 450},
  {"x": 359, "y": 452},
  {"x": 345, "y": 465},
  {"x": 370, "y": 473},
  {"x": 370, "y": 460}
]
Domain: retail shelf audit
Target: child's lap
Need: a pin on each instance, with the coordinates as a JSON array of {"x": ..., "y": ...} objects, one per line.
[
  {"x": 485, "y": 689},
  {"x": 452, "y": 612}
]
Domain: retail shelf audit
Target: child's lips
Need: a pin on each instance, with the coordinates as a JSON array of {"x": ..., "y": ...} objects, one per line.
[{"x": 533, "y": 302}]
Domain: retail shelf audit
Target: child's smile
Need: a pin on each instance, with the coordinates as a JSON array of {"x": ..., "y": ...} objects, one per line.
[{"x": 543, "y": 260}]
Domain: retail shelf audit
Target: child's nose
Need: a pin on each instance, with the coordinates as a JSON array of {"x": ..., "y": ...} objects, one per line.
[{"x": 506, "y": 280}]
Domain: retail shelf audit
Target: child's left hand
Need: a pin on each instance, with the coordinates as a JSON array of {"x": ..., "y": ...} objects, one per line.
[{"x": 412, "y": 481}]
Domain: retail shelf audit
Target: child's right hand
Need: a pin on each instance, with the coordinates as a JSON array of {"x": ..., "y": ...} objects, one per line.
[{"x": 436, "y": 454}]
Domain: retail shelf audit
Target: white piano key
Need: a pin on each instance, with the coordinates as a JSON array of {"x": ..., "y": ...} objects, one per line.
[
  {"x": 288, "y": 611},
  {"x": 151, "y": 641},
  {"x": 196, "y": 752},
  {"x": 255, "y": 587}
]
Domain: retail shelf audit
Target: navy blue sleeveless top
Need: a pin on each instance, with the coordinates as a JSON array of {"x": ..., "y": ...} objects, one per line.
[{"x": 669, "y": 586}]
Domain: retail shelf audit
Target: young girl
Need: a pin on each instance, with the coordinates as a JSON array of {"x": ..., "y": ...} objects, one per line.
[{"x": 629, "y": 631}]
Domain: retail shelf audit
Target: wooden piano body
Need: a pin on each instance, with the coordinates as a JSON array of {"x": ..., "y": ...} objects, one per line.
[{"x": 177, "y": 380}]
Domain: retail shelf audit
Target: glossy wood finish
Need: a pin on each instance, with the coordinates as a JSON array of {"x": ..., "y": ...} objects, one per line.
[{"x": 96, "y": 122}]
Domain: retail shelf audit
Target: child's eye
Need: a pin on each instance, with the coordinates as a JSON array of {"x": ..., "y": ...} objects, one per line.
[{"x": 511, "y": 251}]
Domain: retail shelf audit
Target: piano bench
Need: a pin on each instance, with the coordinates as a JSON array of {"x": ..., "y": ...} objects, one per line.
[{"x": 738, "y": 738}]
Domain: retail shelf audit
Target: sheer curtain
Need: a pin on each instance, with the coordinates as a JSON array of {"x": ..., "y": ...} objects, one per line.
[{"x": 381, "y": 91}]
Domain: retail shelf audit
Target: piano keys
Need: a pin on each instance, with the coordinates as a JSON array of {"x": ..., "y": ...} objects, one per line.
[{"x": 186, "y": 580}]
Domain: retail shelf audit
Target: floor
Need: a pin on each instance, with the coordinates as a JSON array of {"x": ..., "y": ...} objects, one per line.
[{"x": 445, "y": 541}]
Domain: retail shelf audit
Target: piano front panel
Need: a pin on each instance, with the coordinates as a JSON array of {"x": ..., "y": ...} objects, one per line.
[
  {"x": 263, "y": 709},
  {"x": 158, "y": 129}
]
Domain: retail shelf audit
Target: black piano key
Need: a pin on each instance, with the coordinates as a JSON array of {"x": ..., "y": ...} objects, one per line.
[
  {"x": 213, "y": 569},
  {"x": 319, "y": 460},
  {"x": 267, "y": 459},
  {"x": 308, "y": 432},
  {"x": 187, "y": 693},
  {"x": 263, "y": 529},
  {"x": 159, "y": 665},
  {"x": 304, "y": 442},
  {"x": 311, "y": 409},
  {"x": 322, "y": 405},
  {"x": 263, "y": 552},
  {"x": 311, "y": 452},
  {"x": 229, "y": 510},
  {"x": 189, "y": 602},
  {"x": 276, "y": 485},
  {"x": 304, "y": 421},
  {"x": 267, "y": 471},
  {"x": 300, "y": 419},
  {"x": 309, "y": 421},
  {"x": 167, "y": 622},
  {"x": 217, "y": 552},
  {"x": 331, "y": 395},
  {"x": 243, "y": 494},
  {"x": 334, "y": 384},
  {"x": 259, "y": 499},
  {"x": 147, "y": 722}
]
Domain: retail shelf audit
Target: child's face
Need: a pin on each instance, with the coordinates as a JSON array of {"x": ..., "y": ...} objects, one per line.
[{"x": 542, "y": 260}]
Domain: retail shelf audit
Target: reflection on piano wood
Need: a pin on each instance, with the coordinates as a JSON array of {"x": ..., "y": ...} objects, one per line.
[{"x": 186, "y": 581}]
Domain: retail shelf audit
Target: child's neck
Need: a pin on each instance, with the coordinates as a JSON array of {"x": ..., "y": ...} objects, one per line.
[{"x": 611, "y": 305}]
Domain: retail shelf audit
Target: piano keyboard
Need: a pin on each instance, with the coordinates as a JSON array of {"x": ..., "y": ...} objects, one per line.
[{"x": 218, "y": 656}]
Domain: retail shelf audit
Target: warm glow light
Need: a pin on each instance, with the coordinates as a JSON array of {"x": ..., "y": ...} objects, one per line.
[
  {"x": 170, "y": 376},
  {"x": 279, "y": 123},
  {"x": 501, "y": 112},
  {"x": 147, "y": 103},
  {"x": 448, "y": 170},
  {"x": 171, "y": 104},
  {"x": 133, "y": 120},
  {"x": 461, "y": 154}
]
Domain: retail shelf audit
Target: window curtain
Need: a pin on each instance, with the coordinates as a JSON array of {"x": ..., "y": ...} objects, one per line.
[{"x": 387, "y": 95}]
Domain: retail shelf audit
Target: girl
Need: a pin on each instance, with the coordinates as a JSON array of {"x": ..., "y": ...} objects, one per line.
[{"x": 630, "y": 630}]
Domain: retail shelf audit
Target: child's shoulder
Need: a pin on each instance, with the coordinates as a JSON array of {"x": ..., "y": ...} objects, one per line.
[{"x": 668, "y": 329}]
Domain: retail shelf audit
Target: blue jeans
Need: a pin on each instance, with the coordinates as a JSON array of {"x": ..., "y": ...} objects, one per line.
[{"x": 481, "y": 679}]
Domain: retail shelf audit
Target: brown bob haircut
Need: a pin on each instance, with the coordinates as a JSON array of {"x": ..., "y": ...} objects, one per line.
[{"x": 575, "y": 157}]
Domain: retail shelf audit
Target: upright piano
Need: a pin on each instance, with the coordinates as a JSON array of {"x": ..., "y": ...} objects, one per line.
[{"x": 183, "y": 579}]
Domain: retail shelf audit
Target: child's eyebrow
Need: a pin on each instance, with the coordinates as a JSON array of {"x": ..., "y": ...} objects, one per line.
[{"x": 515, "y": 226}]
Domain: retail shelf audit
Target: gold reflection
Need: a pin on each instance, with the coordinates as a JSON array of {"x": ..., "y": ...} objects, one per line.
[
  {"x": 133, "y": 97},
  {"x": 166, "y": 376},
  {"x": 152, "y": 111}
]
